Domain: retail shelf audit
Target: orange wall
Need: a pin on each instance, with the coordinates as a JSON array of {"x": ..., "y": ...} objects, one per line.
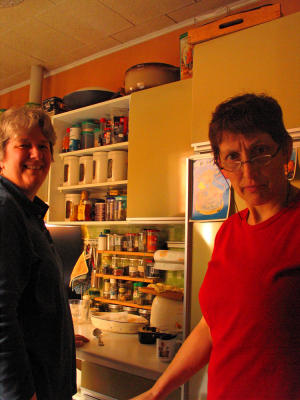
[{"x": 109, "y": 71}]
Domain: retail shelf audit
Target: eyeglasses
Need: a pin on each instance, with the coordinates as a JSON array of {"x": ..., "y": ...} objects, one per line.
[{"x": 258, "y": 161}]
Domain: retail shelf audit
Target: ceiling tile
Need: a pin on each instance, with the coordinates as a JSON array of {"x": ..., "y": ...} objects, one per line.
[
  {"x": 137, "y": 11},
  {"x": 39, "y": 41},
  {"x": 142, "y": 30}
]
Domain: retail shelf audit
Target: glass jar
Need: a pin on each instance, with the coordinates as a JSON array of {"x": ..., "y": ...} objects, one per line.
[
  {"x": 151, "y": 272},
  {"x": 142, "y": 241},
  {"x": 113, "y": 289},
  {"x": 110, "y": 203},
  {"x": 141, "y": 268},
  {"x": 122, "y": 291},
  {"x": 130, "y": 238},
  {"x": 118, "y": 242},
  {"x": 106, "y": 264},
  {"x": 133, "y": 267},
  {"x": 136, "y": 292},
  {"x": 152, "y": 240},
  {"x": 125, "y": 265}
]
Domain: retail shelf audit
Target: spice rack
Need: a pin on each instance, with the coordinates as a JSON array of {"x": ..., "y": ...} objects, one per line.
[{"x": 125, "y": 278}]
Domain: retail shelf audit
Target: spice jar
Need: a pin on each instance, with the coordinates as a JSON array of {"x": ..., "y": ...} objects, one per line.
[
  {"x": 151, "y": 272},
  {"x": 122, "y": 291},
  {"x": 124, "y": 262},
  {"x": 113, "y": 289},
  {"x": 141, "y": 268},
  {"x": 118, "y": 242},
  {"x": 136, "y": 293},
  {"x": 106, "y": 264},
  {"x": 130, "y": 237},
  {"x": 133, "y": 267},
  {"x": 116, "y": 266},
  {"x": 152, "y": 240}
]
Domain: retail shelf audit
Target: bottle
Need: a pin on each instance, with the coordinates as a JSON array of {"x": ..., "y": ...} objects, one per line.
[
  {"x": 84, "y": 207},
  {"x": 102, "y": 245}
]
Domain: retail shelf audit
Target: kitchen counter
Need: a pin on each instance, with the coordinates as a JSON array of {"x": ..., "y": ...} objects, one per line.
[{"x": 121, "y": 352}]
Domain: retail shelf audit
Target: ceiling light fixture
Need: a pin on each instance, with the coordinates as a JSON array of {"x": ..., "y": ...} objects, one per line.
[{"x": 9, "y": 3}]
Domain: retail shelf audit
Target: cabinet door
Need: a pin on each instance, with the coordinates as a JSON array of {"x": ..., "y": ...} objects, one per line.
[{"x": 159, "y": 142}]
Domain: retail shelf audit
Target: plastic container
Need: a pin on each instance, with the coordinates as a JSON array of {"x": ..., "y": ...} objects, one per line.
[
  {"x": 117, "y": 165},
  {"x": 100, "y": 167},
  {"x": 85, "y": 170},
  {"x": 71, "y": 171},
  {"x": 87, "y": 140}
]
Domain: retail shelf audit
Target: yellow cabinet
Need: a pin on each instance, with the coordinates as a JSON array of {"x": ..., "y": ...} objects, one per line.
[{"x": 159, "y": 142}]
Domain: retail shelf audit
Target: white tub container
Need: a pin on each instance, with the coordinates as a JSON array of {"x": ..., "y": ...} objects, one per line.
[
  {"x": 100, "y": 167},
  {"x": 85, "y": 170},
  {"x": 71, "y": 171},
  {"x": 117, "y": 165}
]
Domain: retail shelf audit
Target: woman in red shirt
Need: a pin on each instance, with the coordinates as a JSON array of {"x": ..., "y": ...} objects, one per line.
[{"x": 250, "y": 297}]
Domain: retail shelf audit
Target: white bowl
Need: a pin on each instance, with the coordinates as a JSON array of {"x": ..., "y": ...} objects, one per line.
[{"x": 120, "y": 322}]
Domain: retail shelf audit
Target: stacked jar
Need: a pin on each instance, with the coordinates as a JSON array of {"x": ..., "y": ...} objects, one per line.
[
  {"x": 75, "y": 133},
  {"x": 87, "y": 134}
]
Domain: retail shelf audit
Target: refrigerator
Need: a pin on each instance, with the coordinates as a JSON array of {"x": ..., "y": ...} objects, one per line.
[{"x": 201, "y": 229}]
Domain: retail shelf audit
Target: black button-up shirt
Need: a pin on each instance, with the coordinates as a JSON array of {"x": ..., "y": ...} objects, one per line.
[{"x": 37, "y": 352}]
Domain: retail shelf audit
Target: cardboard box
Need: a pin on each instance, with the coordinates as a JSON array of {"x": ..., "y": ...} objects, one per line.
[
  {"x": 186, "y": 57},
  {"x": 234, "y": 23}
]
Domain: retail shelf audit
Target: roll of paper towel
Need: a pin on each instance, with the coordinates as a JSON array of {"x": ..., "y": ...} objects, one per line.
[{"x": 169, "y": 256}]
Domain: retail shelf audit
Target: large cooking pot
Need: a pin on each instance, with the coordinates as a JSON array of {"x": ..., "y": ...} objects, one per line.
[{"x": 147, "y": 75}]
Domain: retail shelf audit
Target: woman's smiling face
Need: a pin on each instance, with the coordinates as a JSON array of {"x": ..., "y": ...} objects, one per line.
[
  {"x": 27, "y": 159},
  {"x": 257, "y": 185}
]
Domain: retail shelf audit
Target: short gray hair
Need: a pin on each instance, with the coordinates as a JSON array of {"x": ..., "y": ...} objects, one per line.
[{"x": 17, "y": 118}]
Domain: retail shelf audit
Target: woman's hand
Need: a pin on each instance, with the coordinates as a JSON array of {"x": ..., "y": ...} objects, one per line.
[{"x": 80, "y": 340}]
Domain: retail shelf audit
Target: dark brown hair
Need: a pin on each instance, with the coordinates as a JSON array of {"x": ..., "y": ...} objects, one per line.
[{"x": 247, "y": 114}]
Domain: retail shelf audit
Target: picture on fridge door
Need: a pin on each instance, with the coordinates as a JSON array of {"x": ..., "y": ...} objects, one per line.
[{"x": 211, "y": 191}]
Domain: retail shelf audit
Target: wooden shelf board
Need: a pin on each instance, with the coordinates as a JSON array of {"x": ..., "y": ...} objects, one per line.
[
  {"x": 127, "y": 278},
  {"x": 122, "y": 303},
  {"x": 169, "y": 294},
  {"x": 126, "y": 253}
]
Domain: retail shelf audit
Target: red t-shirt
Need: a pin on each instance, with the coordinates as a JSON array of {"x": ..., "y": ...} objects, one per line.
[{"x": 250, "y": 299}]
